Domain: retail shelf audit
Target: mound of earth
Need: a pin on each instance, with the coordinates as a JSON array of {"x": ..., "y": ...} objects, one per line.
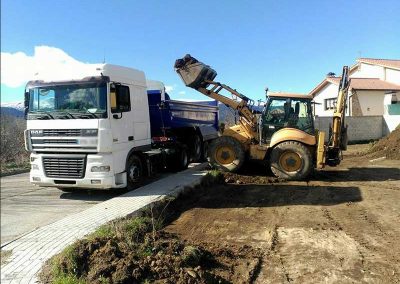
[
  {"x": 388, "y": 146},
  {"x": 249, "y": 179},
  {"x": 162, "y": 259}
]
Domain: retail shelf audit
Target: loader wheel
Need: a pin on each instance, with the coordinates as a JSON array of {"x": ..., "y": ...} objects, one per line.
[
  {"x": 291, "y": 161},
  {"x": 134, "y": 170},
  {"x": 226, "y": 153}
]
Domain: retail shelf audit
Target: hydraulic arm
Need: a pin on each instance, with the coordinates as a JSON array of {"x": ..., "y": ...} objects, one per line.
[
  {"x": 241, "y": 103},
  {"x": 338, "y": 131},
  {"x": 200, "y": 77}
]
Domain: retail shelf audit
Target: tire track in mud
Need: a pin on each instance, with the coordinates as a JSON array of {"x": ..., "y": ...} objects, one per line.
[
  {"x": 271, "y": 262},
  {"x": 379, "y": 258}
]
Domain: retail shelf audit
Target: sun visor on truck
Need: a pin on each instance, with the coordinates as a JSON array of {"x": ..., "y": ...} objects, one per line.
[{"x": 193, "y": 72}]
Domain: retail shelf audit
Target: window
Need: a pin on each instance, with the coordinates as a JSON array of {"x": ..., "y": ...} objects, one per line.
[
  {"x": 70, "y": 99},
  {"x": 330, "y": 103},
  {"x": 122, "y": 98}
]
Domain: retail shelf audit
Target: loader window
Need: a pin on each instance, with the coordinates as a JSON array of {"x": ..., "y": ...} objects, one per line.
[{"x": 287, "y": 113}]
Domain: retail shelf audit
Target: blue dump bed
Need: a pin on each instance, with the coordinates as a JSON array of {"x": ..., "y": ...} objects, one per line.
[{"x": 167, "y": 115}]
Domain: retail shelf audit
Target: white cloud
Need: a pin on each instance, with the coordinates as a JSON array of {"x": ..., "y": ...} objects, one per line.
[
  {"x": 18, "y": 68},
  {"x": 169, "y": 89}
]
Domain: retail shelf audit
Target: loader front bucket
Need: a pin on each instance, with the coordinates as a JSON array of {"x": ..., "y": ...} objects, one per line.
[{"x": 193, "y": 72}]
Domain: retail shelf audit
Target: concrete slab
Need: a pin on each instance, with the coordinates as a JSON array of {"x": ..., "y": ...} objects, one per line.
[{"x": 32, "y": 250}]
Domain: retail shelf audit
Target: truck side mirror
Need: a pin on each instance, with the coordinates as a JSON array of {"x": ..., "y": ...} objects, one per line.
[{"x": 113, "y": 98}]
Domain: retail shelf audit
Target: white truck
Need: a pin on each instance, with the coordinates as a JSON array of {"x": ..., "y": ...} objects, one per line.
[{"x": 108, "y": 127}]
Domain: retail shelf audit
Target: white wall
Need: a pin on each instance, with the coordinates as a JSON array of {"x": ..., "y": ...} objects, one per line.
[
  {"x": 328, "y": 92},
  {"x": 391, "y": 122},
  {"x": 371, "y": 102},
  {"x": 393, "y": 76},
  {"x": 369, "y": 71}
]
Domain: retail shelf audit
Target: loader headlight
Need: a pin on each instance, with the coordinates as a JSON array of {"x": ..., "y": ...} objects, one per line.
[{"x": 100, "y": 169}]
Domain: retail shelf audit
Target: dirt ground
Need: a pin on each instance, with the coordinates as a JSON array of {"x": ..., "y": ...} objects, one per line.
[{"x": 342, "y": 226}]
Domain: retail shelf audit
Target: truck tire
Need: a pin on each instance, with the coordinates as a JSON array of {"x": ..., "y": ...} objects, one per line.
[
  {"x": 291, "y": 160},
  {"x": 226, "y": 154},
  {"x": 197, "y": 148},
  {"x": 204, "y": 151},
  {"x": 180, "y": 160},
  {"x": 134, "y": 172}
]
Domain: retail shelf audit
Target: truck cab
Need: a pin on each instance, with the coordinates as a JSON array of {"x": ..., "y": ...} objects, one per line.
[{"x": 81, "y": 129}]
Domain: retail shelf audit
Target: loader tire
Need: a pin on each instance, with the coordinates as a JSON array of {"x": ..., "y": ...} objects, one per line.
[
  {"x": 291, "y": 160},
  {"x": 226, "y": 153}
]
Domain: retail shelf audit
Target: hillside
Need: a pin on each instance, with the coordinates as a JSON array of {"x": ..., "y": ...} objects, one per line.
[{"x": 15, "y": 109}]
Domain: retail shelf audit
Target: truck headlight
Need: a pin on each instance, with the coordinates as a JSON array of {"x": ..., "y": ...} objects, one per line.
[{"x": 98, "y": 169}]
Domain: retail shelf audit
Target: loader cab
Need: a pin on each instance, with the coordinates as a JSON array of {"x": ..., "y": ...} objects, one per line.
[{"x": 283, "y": 111}]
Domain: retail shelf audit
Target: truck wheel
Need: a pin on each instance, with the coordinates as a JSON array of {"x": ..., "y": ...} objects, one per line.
[
  {"x": 291, "y": 161},
  {"x": 134, "y": 170},
  {"x": 196, "y": 150},
  {"x": 226, "y": 153},
  {"x": 204, "y": 151},
  {"x": 180, "y": 160}
]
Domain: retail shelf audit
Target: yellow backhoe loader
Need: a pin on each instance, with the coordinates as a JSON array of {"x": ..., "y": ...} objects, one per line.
[{"x": 282, "y": 135}]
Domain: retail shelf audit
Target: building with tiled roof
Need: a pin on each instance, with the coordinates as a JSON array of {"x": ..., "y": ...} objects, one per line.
[{"x": 375, "y": 84}]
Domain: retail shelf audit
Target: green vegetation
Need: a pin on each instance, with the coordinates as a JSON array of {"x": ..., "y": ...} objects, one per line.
[
  {"x": 13, "y": 156},
  {"x": 5, "y": 254},
  {"x": 100, "y": 256}
]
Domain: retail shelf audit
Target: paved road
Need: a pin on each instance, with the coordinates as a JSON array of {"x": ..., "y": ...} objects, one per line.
[
  {"x": 25, "y": 207},
  {"x": 28, "y": 253}
]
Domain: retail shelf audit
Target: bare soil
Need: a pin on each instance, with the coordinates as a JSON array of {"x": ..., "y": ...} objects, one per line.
[
  {"x": 342, "y": 226},
  {"x": 388, "y": 146}
]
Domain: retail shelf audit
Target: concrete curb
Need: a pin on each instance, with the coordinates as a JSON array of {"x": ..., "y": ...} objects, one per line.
[{"x": 31, "y": 250}]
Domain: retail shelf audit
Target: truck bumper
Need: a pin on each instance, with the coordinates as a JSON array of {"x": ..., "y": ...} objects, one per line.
[{"x": 94, "y": 180}]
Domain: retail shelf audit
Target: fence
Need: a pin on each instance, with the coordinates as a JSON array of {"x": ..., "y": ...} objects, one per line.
[{"x": 362, "y": 128}]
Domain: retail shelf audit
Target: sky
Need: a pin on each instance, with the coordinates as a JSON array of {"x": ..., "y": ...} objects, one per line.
[{"x": 287, "y": 46}]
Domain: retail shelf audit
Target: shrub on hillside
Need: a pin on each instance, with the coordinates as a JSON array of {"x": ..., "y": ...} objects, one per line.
[{"x": 12, "y": 141}]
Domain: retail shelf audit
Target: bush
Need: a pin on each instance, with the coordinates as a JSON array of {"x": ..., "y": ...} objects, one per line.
[{"x": 13, "y": 153}]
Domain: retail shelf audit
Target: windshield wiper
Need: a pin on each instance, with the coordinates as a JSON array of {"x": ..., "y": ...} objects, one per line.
[
  {"x": 87, "y": 114},
  {"x": 68, "y": 114},
  {"x": 38, "y": 115}
]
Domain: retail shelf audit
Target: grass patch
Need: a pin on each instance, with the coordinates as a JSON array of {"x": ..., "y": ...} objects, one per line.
[
  {"x": 130, "y": 249},
  {"x": 5, "y": 254},
  {"x": 14, "y": 168}
]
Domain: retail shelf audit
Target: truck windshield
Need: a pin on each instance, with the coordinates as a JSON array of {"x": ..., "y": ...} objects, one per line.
[{"x": 88, "y": 100}]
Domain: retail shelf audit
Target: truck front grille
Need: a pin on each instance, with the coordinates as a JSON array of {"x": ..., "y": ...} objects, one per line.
[
  {"x": 66, "y": 167},
  {"x": 62, "y": 132},
  {"x": 54, "y": 141}
]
